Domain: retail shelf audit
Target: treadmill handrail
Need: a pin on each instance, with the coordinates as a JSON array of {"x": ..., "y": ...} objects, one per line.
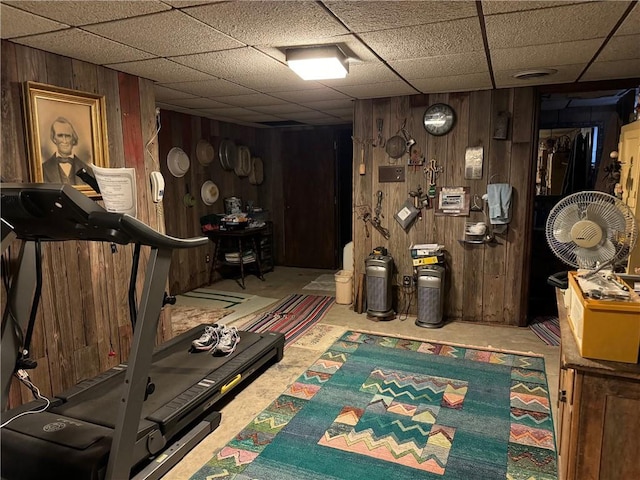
[
  {"x": 57, "y": 212},
  {"x": 142, "y": 233}
]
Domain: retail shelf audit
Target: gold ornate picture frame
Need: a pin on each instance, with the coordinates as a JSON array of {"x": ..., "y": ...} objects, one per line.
[{"x": 66, "y": 131}]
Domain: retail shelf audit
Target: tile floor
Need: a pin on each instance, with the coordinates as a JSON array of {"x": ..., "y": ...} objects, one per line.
[{"x": 256, "y": 396}]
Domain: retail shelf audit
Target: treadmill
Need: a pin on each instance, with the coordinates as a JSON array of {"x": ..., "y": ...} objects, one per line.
[{"x": 159, "y": 404}]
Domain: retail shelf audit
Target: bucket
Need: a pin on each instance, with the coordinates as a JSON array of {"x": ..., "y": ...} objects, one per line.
[
  {"x": 344, "y": 287},
  {"x": 232, "y": 205}
]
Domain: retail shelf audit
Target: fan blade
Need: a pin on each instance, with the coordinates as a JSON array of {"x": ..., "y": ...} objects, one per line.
[
  {"x": 586, "y": 257},
  {"x": 563, "y": 222},
  {"x": 592, "y": 257},
  {"x": 607, "y": 215}
]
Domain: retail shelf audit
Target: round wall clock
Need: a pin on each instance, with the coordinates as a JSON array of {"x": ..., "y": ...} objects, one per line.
[{"x": 439, "y": 119}]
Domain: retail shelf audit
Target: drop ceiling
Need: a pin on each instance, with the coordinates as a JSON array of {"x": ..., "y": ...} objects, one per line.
[{"x": 226, "y": 59}]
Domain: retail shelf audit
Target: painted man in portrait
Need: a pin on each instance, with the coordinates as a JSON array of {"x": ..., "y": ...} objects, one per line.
[{"x": 63, "y": 165}]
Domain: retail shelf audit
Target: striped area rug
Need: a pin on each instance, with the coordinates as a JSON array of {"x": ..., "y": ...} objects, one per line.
[
  {"x": 293, "y": 316},
  {"x": 547, "y": 328}
]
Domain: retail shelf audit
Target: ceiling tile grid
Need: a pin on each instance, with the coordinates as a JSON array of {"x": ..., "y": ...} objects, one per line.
[
  {"x": 81, "y": 12},
  {"x": 16, "y": 23},
  {"x": 86, "y": 46},
  {"x": 227, "y": 60},
  {"x": 175, "y": 34}
]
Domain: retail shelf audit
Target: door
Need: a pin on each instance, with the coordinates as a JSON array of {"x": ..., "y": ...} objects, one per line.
[{"x": 308, "y": 159}]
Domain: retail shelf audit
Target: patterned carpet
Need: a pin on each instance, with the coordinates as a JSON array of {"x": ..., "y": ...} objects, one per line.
[
  {"x": 547, "y": 329},
  {"x": 379, "y": 408},
  {"x": 293, "y": 316}
]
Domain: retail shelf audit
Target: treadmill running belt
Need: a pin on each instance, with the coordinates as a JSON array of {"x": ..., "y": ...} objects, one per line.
[{"x": 172, "y": 374}]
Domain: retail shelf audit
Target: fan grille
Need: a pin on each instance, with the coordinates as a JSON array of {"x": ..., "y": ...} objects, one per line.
[{"x": 619, "y": 228}]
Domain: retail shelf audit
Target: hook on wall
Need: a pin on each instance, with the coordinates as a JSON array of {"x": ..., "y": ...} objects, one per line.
[{"x": 493, "y": 176}]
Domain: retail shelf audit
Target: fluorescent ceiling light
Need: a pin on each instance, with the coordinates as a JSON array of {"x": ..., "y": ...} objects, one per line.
[{"x": 318, "y": 63}]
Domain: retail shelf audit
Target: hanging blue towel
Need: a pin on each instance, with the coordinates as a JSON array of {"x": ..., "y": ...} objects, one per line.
[{"x": 499, "y": 200}]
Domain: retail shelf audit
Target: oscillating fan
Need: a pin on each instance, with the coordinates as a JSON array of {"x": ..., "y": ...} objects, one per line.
[{"x": 591, "y": 230}]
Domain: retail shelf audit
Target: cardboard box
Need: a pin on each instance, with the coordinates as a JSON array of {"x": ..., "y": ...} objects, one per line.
[{"x": 604, "y": 329}]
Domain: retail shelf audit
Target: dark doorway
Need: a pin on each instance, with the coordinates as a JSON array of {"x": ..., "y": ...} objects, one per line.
[
  {"x": 577, "y": 132},
  {"x": 309, "y": 193}
]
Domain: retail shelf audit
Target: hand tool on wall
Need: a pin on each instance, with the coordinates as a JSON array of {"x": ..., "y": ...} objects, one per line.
[
  {"x": 380, "y": 141},
  {"x": 375, "y": 221},
  {"x": 420, "y": 200},
  {"x": 432, "y": 171}
]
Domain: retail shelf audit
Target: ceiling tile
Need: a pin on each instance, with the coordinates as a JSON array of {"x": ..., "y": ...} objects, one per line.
[
  {"x": 538, "y": 56},
  {"x": 339, "y": 112},
  {"x": 80, "y": 12},
  {"x": 457, "y": 36},
  {"x": 364, "y": 73},
  {"x": 228, "y": 111},
  {"x": 212, "y": 88},
  {"x": 197, "y": 102},
  {"x": 176, "y": 34},
  {"x": 164, "y": 93},
  {"x": 493, "y": 7},
  {"x": 310, "y": 95},
  {"x": 447, "y": 65},
  {"x": 311, "y": 114},
  {"x": 353, "y": 48},
  {"x": 284, "y": 81},
  {"x": 561, "y": 24},
  {"x": 255, "y": 23},
  {"x": 631, "y": 24},
  {"x": 16, "y": 23},
  {"x": 230, "y": 64},
  {"x": 327, "y": 121},
  {"x": 252, "y": 100},
  {"x": 372, "y": 16},
  {"x": 259, "y": 117},
  {"x": 565, "y": 74},
  {"x": 85, "y": 46},
  {"x": 621, "y": 47},
  {"x": 160, "y": 69},
  {"x": 329, "y": 104},
  {"x": 190, "y": 3},
  {"x": 285, "y": 108},
  {"x": 454, "y": 83},
  {"x": 554, "y": 104},
  {"x": 609, "y": 70},
  {"x": 377, "y": 90}
]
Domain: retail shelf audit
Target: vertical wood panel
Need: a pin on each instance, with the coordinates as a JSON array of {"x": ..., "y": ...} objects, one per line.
[
  {"x": 480, "y": 104},
  {"x": 484, "y": 282},
  {"x": 83, "y": 307}
]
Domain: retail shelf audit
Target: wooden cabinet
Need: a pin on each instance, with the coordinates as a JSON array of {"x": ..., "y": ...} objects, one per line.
[
  {"x": 629, "y": 155},
  {"x": 599, "y": 414}
]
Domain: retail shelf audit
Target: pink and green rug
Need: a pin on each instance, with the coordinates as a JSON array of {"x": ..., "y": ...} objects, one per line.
[
  {"x": 293, "y": 316},
  {"x": 379, "y": 408}
]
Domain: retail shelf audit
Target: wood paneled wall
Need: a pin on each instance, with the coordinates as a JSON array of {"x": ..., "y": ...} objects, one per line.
[
  {"x": 84, "y": 311},
  {"x": 189, "y": 268},
  {"x": 485, "y": 283}
]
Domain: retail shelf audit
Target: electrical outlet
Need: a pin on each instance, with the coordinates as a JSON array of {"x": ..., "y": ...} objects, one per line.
[
  {"x": 406, "y": 281},
  {"x": 207, "y": 258}
]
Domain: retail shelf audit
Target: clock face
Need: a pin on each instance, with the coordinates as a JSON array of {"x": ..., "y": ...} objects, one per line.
[{"x": 439, "y": 119}]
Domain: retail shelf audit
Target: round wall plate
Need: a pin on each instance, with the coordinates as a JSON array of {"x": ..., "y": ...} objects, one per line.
[
  {"x": 439, "y": 119},
  {"x": 209, "y": 192}
]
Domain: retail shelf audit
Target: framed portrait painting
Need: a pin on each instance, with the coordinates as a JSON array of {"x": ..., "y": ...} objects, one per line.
[{"x": 66, "y": 132}]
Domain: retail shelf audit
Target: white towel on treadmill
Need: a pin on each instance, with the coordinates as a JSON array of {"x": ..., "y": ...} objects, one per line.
[{"x": 499, "y": 200}]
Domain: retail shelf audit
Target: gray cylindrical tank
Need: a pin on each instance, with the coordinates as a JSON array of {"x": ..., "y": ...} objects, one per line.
[
  {"x": 379, "y": 271},
  {"x": 431, "y": 296}
]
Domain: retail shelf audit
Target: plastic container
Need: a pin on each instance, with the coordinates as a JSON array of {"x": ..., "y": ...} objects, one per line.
[
  {"x": 344, "y": 287},
  {"x": 604, "y": 329}
]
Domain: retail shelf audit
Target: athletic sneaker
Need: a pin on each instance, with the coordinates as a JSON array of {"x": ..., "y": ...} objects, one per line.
[
  {"x": 209, "y": 339},
  {"x": 229, "y": 339}
]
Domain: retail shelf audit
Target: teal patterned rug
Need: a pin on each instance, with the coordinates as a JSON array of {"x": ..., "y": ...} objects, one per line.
[{"x": 375, "y": 407}]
